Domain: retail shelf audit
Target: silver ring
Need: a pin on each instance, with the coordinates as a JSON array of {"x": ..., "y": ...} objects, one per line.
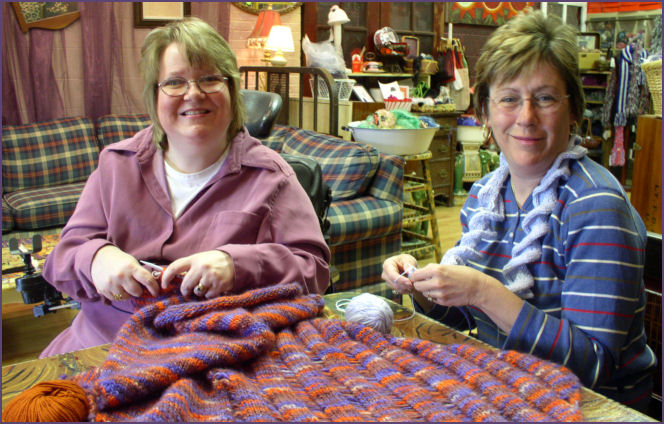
[{"x": 430, "y": 299}]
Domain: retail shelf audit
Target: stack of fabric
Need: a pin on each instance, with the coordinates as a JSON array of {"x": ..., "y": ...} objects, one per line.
[{"x": 266, "y": 355}]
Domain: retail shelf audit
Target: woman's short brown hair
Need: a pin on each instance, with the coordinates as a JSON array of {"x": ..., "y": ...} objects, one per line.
[
  {"x": 203, "y": 47},
  {"x": 521, "y": 44}
]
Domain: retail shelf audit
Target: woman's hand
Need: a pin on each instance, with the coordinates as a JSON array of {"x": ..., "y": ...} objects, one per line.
[
  {"x": 450, "y": 285},
  {"x": 394, "y": 267},
  {"x": 458, "y": 285},
  {"x": 208, "y": 274},
  {"x": 116, "y": 274}
]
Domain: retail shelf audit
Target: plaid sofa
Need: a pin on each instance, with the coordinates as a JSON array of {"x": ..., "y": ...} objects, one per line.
[
  {"x": 45, "y": 166},
  {"x": 367, "y": 203}
]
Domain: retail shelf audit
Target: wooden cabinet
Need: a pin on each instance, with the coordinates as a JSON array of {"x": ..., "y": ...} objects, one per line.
[
  {"x": 646, "y": 193},
  {"x": 443, "y": 151}
]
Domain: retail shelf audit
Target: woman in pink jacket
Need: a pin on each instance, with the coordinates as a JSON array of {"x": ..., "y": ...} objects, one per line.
[{"x": 194, "y": 192}]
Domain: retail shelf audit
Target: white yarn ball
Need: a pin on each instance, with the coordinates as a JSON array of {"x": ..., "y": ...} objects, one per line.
[{"x": 370, "y": 310}]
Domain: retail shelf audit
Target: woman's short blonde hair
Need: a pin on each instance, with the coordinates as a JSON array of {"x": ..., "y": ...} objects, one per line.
[
  {"x": 203, "y": 46},
  {"x": 518, "y": 47}
]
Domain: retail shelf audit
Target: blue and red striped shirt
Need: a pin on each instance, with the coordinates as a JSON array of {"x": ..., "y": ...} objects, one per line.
[{"x": 589, "y": 300}]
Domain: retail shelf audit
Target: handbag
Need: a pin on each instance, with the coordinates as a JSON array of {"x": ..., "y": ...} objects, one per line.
[
  {"x": 460, "y": 88},
  {"x": 588, "y": 140}
]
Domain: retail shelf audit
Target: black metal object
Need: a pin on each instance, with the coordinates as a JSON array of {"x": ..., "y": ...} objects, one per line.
[
  {"x": 278, "y": 79},
  {"x": 33, "y": 287}
]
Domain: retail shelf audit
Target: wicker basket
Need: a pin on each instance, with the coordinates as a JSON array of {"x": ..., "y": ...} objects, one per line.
[
  {"x": 344, "y": 88},
  {"x": 653, "y": 71},
  {"x": 398, "y": 104}
]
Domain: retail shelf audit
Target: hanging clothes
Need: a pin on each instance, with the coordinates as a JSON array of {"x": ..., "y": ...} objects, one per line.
[{"x": 625, "y": 87}]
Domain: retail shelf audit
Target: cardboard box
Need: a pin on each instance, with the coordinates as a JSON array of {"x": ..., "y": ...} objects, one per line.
[{"x": 588, "y": 60}]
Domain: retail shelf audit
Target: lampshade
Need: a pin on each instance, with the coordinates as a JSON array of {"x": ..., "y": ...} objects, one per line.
[
  {"x": 279, "y": 41},
  {"x": 337, "y": 16},
  {"x": 266, "y": 19}
]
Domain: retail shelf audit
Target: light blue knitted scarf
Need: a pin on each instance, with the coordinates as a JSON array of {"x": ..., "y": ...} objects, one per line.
[{"x": 535, "y": 224}]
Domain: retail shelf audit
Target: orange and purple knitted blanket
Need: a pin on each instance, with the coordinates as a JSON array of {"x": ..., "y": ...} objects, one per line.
[{"x": 266, "y": 355}]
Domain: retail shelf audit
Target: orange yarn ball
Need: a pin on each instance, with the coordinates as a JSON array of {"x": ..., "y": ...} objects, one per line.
[{"x": 49, "y": 401}]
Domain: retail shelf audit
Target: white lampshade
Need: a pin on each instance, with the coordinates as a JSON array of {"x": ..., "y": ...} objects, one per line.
[
  {"x": 337, "y": 16},
  {"x": 279, "y": 41}
]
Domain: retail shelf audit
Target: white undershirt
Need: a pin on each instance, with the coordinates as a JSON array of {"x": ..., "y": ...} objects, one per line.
[{"x": 184, "y": 187}]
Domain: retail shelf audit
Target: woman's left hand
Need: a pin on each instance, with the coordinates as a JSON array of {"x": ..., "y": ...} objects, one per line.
[
  {"x": 206, "y": 274},
  {"x": 458, "y": 285}
]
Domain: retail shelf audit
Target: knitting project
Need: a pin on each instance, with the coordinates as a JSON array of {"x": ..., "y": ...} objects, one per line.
[
  {"x": 265, "y": 355},
  {"x": 535, "y": 224}
]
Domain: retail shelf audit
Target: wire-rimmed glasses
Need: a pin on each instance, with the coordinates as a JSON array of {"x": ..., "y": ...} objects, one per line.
[
  {"x": 511, "y": 103},
  {"x": 178, "y": 86}
]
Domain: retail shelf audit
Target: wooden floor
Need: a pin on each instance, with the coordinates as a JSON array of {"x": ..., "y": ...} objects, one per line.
[{"x": 449, "y": 226}]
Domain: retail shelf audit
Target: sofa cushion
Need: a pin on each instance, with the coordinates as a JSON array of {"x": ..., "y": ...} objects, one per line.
[
  {"x": 348, "y": 167},
  {"x": 7, "y": 220},
  {"x": 114, "y": 128},
  {"x": 37, "y": 208},
  {"x": 44, "y": 154}
]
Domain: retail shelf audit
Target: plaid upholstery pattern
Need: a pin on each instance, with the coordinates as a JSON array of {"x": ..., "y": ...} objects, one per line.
[
  {"x": 363, "y": 217},
  {"x": 7, "y": 220},
  {"x": 114, "y": 128},
  {"x": 347, "y": 167},
  {"x": 37, "y": 208},
  {"x": 275, "y": 140},
  {"x": 360, "y": 264},
  {"x": 388, "y": 182},
  {"x": 45, "y": 154}
]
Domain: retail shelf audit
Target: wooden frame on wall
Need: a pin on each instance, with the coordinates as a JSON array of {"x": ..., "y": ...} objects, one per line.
[
  {"x": 47, "y": 15},
  {"x": 152, "y": 14},
  {"x": 413, "y": 45}
]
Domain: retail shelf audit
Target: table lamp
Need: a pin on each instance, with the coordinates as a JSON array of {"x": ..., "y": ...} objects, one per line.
[
  {"x": 279, "y": 41},
  {"x": 266, "y": 19}
]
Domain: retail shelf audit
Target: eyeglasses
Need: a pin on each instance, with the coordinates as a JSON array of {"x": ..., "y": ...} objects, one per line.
[
  {"x": 546, "y": 103},
  {"x": 177, "y": 86}
]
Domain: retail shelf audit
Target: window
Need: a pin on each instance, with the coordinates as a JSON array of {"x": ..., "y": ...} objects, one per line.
[{"x": 572, "y": 13}]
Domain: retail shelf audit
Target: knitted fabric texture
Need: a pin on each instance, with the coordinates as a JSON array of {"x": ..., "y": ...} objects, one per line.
[
  {"x": 535, "y": 224},
  {"x": 265, "y": 356}
]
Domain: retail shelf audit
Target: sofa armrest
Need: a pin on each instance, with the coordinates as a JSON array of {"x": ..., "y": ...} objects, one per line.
[
  {"x": 363, "y": 218},
  {"x": 387, "y": 184}
]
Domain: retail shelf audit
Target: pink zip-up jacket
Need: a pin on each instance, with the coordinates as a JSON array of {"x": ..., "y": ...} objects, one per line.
[{"x": 254, "y": 209}]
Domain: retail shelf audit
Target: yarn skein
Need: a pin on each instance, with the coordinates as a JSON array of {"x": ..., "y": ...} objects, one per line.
[
  {"x": 370, "y": 310},
  {"x": 48, "y": 401}
]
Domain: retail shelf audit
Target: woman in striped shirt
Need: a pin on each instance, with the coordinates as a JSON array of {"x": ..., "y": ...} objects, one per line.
[{"x": 551, "y": 257}]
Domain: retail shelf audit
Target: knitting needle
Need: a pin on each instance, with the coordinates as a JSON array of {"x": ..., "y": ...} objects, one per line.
[{"x": 156, "y": 269}]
